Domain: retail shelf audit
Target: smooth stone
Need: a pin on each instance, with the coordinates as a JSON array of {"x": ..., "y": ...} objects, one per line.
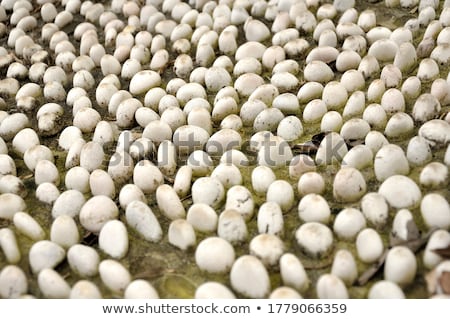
[
  {"x": 8, "y": 243},
  {"x": 314, "y": 208},
  {"x": 330, "y": 286},
  {"x": 385, "y": 289},
  {"x": 141, "y": 218},
  {"x": 52, "y": 285},
  {"x": 400, "y": 192},
  {"x": 169, "y": 203},
  {"x": 11, "y": 204},
  {"x": 435, "y": 211},
  {"x": 214, "y": 255},
  {"x": 369, "y": 245},
  {"x": 28, "y": 226},
  {"x": 114, "y": 275},
  {"x": 83, "y": 260},
  {"x": 375, "y": 209},
  {"x": 85, "y": 289},
  {"x": 181, "y": 234},
  {"x": 140, "y": 289},
  {"x": 348, "y": 223},
  {"x": 249, "y": 277},
  {"x": 268, "y": 248},
  {"x": 349, "y": 185},
  {"x": 344, "y": 267},
  {"x": 270, "y": 219},
  {"x": 13, "y": 282},
  {"x": 208, "y": 190},
  {"x": 45, "y": 254},
  {"x": 390, "y": 160},
  {"x": 400, "y": 266},
  {"x": 213, "y": 290},
  {"x": 315, "y": 239},
  {"x": 113, "y": 239},
  {"x": 96, "y": 212},
  {"x": 240, "y": 199},
  {"x": 68, "y": 203},
  {"x": 293, "y": 273}
]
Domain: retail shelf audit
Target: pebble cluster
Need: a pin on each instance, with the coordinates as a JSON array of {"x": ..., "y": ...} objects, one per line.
[{"x": 262, "y": 149}]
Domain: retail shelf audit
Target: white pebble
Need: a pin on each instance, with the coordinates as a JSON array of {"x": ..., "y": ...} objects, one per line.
[
  {"x": 390, "y": 160},
  {"x": 400, "y": 192},
  {"x": 113, "y": 239},
  {"x": 314, "y": 238},
  {"x": 314, "y": 208},
  {"x": 181, "y": 234},
  {"x": 28, "y": 226},
  {"x": 13, "y": 282},
  {"x": 96, "y": 212},
  {"x": 400, "y": 266},
  {"x": 268, "y": 248},
  {"x": 249, "y": 277},
  {"x": 141, "y": 218},
  {"x": 8, "y": 244},
  {"x": 11, "y": 204},
  {"x": 385, "y": 289},
  {"x": 213, "y": 290},
  {"x": 349, "y": 185},
  {"x": 52, "y": 285},
  {"x": 348, "y": 223},
  {"x": 45, "y": 254},
  {"x": 369, "y": 245},
  {"x": 169, "y": 203},
  {"x": 140, "y": 289},
  {"x": 435, "y": 211},
  {"x": 114, "y": 275},
  {"x": 83, "y": 260},
  {"x": 330, "y": 286},
  {"x": 214, "y": 255},
  {"x": 85, "y": 289},
  {"x": 208, "y": 190}
]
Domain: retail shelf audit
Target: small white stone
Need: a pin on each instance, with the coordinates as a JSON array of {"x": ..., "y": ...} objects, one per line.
[
  {"x": 436, "y": 132},
  {"x": 85, "y": 289},
  {"x": 293, "y": 273},
  {"x": 114, "y": 275},
  {"x": 36, "y": 153},
  {"x": 169, "y": 203},
  {"x": 228, "y": 174},
  {"x": 47, "y": 193},
  {"x": 399, "y": 125},
  {"x": 28, "y": 226},
  {"x": 240, "y": 199},
  {"x": 147, "y": 176},
  {"x": 282, "y": 193},
  {"x": 213, "y": 290},
  {"x": 13, "y": 282},
  {"x": 11, "y": 204},
  {"x": 418, "y": 152},
  {"x": 200, "y": 162},
  {"x": 208, "y": 190},
  {"x": 113, "y": 239},
  {"x": 68, "y": 203},
  {"x": 390, "y": 160},
  {"x": 268, "y": 248},
  {"x": 315, "y": 239},
  {"x": 309, "y": 91},
  {"x": 426, "y": 107},
  {"x": 349, "y": 185},
  {"x": 249, "y": 277},
  {"x": 375, "y": 140},
  {"x": 101, "y": 183},
  {"x": 369, "y": 245},
  {"x": 401, "y": 225},
  {"x": 330, "y": 286},
  {"x": 375, "y": 209},
  {"x": 202, "y": 217},
  {"x": 96, "y": 212},
  {"x": 331, "y": 149},
  {"x": 435, "y": 211},
  {"x": 400, "y": 192},
  {"x": 438, "y": 240},
  {"x": 434, "y": 175},
  {"x": 140, "y": 217},
  {"x": 46, "y": 172},
  {"x": 344, "y": 267},
  {"x": 385, "y": 289},
  {"x": 270, "y": 219},
  {"x": 12, "y": 184},
  {"x": 140, "y": 289},
  {"x": 314, "y": 208},
  {"x": 45, "y": 254},
  {"x": 400, "y": 266},
  {"x": 83, "y": 260},
  {"x": 214, "y": 255},
  {"x": 8, "y": 244},
  {"x": 348, "y": 223},
  {"x": 231, "y": 226},
  {"x": 52, "y": 285}
]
